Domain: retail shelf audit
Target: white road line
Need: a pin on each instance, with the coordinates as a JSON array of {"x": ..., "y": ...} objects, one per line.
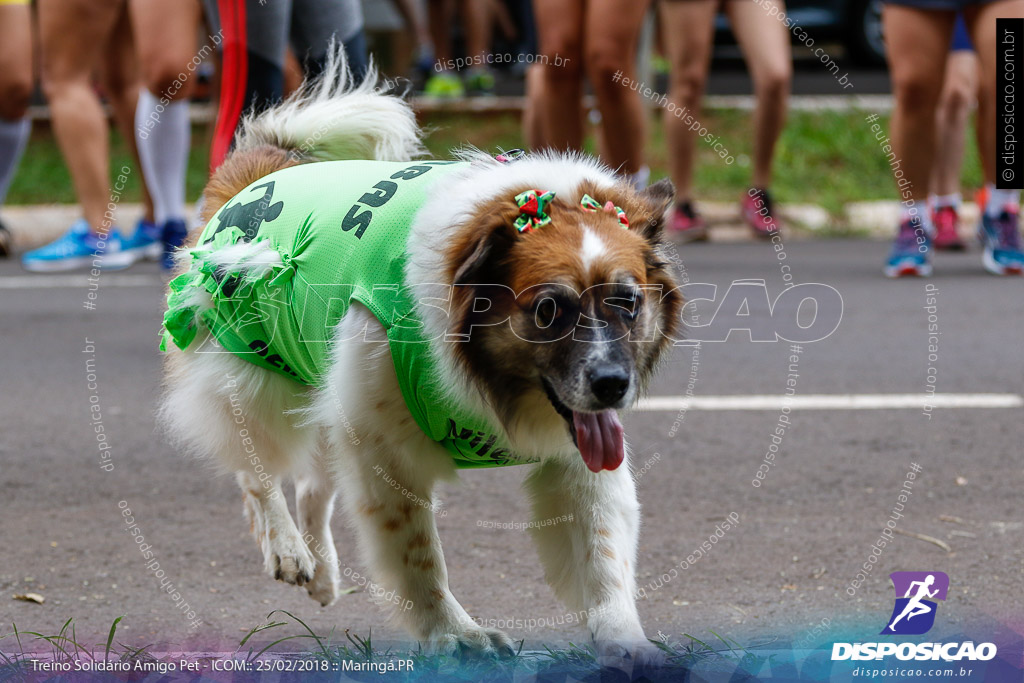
[
  {"x": 830, "y": 402},
  {"x": 652, "y": 403},
  {"x": 77, "y": 281}
]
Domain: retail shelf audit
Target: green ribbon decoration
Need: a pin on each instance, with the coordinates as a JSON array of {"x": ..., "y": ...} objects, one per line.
[
  {"x": 532, "y": 209},
  {"x": 588, "y": 203},
  {"x": 181, "y": 317}
]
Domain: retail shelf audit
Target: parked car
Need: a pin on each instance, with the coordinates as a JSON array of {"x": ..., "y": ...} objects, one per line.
[{"x": 857, "y": 24}]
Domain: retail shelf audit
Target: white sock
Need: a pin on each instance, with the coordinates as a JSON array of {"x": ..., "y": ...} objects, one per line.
[
  {"x": 939, "y": 200},
  {"x": 163, "y": 134},
  {"x": 998, "y": 199},
  {"x": 640, "y": 178},
  {"x": 917, "y": 211},
  {"x": 13, "y": 136}
]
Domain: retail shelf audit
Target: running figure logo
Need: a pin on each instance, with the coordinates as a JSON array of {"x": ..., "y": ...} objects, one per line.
[{"x": 914, "y": 612}]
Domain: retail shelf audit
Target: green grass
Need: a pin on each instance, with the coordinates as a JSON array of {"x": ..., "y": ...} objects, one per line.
[
  {"x": 43, "y": 178},
  {"x": 824, "y": 158},
  {"x": 328, "y": 653},
  {"x": 64, "y": 646}
]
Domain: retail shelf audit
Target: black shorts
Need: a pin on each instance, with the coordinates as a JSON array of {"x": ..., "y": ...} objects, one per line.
[{"x": 939, "y": 5}]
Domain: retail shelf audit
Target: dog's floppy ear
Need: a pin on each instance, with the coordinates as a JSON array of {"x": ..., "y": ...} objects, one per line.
[
  {"x": 479, "y": 255},
  {"x": 659, "y": 198}
]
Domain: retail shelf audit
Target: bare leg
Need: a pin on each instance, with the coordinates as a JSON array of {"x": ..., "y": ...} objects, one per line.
[
  {"x": 165, "y": 41},
  {"x": 959, "y": 92},
  {"x": 439, "y": 15},
  {"x": 533, "y": 129},
  {"x": 609, "y": 51},
  {"x": 502, "y": 19},
  {"x": 15, "y": 61},
  {"x": 981, "y": 22},
  {"x": 123, "y": 81},
  {"x": 917, "y": 43},
  {"x": 476, "y": 22},
  {"x": 688, "y": 26},
  {"x": 73, "y": 35},
  {"x": 559, "y": 32},
  {"x": 15, "y": 93},
  {"x": 412, "y": 15},
  {"x": 765, "y": 44},
  {"x": 165, "y": 32}
]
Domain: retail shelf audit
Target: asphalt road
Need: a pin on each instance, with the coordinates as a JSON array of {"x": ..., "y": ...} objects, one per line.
[{"x": 802, "y": 535}]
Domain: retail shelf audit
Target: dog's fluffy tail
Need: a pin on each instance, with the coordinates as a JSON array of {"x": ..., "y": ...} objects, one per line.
[
  {"x": 331, "y": 119},
  {"x": 326, "y": 119}
]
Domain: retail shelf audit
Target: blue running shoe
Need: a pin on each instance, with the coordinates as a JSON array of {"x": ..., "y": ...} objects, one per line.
[
  {"x": 79, "y": 248},
  {"x": 1001, "y": 238},
  {"x": 145, "y": 242},
  {"x": 174, "y": 234},
  {"x": 911, "y": 252}
]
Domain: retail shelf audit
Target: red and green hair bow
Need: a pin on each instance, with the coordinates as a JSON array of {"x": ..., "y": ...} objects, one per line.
[
  {"x": 588, "y": 203},
  {"x": 533, "y": 206}
]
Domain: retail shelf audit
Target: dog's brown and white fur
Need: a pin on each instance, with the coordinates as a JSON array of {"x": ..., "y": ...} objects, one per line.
[{"x": 342, "y": 434}]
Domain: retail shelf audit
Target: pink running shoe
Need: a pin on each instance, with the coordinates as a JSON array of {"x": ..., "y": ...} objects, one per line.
[
  {"x": 688, "y": 224},
  {"x": 759, "y": 213},
  {"x": 945, "y": 220}
]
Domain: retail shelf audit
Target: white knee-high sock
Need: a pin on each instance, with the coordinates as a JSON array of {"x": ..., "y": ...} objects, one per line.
[
  {"x": 917, "y": 211},
  {"x": 999, "y": 199},
  {"x": 13, "y": 136},
  {"x": 163, "y": 135},
  {"x": 936, "y": 201}
]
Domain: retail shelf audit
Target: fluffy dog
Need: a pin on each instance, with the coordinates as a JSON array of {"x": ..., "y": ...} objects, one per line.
[{"x": 533, "y": 303}]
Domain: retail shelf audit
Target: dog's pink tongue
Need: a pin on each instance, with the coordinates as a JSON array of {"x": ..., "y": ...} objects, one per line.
[{"x": 599, "y": 437}]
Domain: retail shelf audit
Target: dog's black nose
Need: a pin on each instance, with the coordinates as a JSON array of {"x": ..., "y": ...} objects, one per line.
[{"x": 609, "y": 384}]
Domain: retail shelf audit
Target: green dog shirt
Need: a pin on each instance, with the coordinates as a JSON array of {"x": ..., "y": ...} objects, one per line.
[{"x": 341, "y": 229}]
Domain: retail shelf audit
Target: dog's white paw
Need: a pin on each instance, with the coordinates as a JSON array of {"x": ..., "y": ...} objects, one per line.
[
  {"x": 618, "y": 655},
  {"x": 324, "y": 588},
  {"x": 474, "y": 641},
  {"x": 286, "y": 558}
]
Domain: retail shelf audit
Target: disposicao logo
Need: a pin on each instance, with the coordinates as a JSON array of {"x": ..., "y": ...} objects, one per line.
[
  {"x": 916, "y": 593},
  {"x": 913, "y": 615}
]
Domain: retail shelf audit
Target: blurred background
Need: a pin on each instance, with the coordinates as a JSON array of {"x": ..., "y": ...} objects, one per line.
[{"x": 826, "y": 162}]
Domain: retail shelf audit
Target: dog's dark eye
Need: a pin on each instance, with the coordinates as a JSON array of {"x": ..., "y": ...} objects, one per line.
[
  {"x": 628, "y": 304},
  {"x": 546, "y": 312},
  {"x": 633, "y": 307}
]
